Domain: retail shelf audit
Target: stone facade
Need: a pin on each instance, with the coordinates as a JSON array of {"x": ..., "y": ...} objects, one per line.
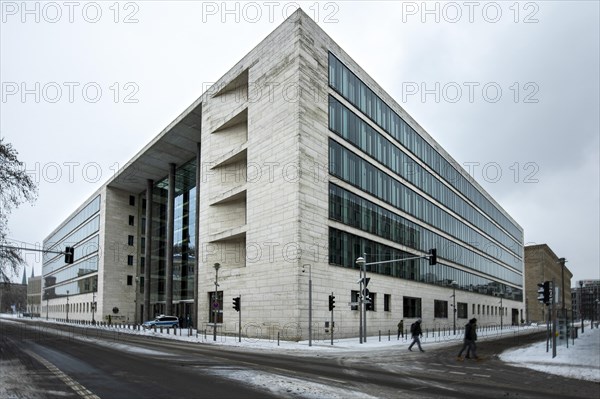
[
  {"x": 34, "y": 295},
  {"x": 542, "y": 264},
  {"x": 262, "y": 189}
]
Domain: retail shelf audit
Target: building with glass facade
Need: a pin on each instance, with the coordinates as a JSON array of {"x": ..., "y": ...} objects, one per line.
[{"x": 287, "y": 169}]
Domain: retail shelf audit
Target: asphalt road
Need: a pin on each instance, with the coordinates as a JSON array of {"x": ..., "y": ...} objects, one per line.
[{"x": 73, "y": 362}]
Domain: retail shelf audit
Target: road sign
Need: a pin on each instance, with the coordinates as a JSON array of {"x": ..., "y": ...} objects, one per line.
[{"x": 216, "y": 305}]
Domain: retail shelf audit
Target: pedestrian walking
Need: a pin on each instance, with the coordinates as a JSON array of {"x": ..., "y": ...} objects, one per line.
[
  {"x": 417, "y": 333},
  {"x": 469, "y": 340},
  {"x": 401, "y": 329}
]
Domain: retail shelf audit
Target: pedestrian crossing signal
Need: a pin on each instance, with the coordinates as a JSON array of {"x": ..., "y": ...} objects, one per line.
[{"x": 237, "y": 303}]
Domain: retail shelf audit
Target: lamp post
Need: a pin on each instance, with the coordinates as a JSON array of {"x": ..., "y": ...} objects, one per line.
[
  {"x": 596, "y": 303},
  {"x": 215, "y": 303},
  {"x": 581, "y": 303},
  {"x": 47, "y": 303},
  {"x": 562, "y": 285},
  {"x": 501, "y": 314},
  {"x": 67, "y": 306},
  {"x": 360, "y": 261},
  {"x": 454, "y": 283},
  {"x": 309, "y": 302},
  {"x": 93, "y": 307}
]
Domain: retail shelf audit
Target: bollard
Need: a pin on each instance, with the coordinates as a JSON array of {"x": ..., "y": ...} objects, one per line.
[
  {"x": 389, "y": 334},
  {"x": 379, "y": 335},
  {"x": 277, "y": 338}
]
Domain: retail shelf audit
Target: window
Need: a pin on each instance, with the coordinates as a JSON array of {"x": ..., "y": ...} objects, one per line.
[
  {"x": 142, "y": 265},
  {"x": 130, "y": 240},
  {"x": 461, "y": 310},
  {"x": 131, "y": 220},
  {"x": 132, "y": 200},
  {"x": 141, "y": 285},
  {"x": 478, "y": 309},
  {"x": 440, "y": 309},
  {"x": 215, "y": 307},
  {"x": 473, "y": 311},
  {"x": 411, "y": 307},
  {"x": 129, "y": 280},
  {"x": 129, "y": 260},
  {"x": 387, "y": 298}
]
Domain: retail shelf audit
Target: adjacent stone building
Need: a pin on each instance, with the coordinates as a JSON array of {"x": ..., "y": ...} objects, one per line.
[
  {"x": 291, "y": 166},
  {"x": 34, "y": 295},
  {"x": 542, "y": 264},
  {"x": 586, "y": 300}
]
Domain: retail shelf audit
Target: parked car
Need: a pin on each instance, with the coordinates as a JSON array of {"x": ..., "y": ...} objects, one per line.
[{"x": 162, "y": 321}]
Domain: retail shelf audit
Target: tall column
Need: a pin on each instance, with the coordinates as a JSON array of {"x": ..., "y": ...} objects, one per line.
[
  {"x": 197, "y": 235},
  {"x": 148, "y": 251},
  {"x": 170, "y": 235}
]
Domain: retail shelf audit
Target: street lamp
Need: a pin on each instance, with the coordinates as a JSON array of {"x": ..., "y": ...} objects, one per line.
[
  {"x": 93, "y": 307},
  {"x": 215, "y": 303},
  {"x": 67, "y": 306},
  {"x": 454, "y": 283},
  {"x": 309, "y": 302},
  {"x": 47, "y": 303},
  {"x": 562, "y": 284},
  {"x": 501, "y": 313},
  {"x": 360, "y": 261},
  {"x": 581, "y": 303},
  {"x": 596, "y": 302}
]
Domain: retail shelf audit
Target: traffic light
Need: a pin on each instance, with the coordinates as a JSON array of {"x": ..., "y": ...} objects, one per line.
[
  {"x": 544, "y": 292},
  {"x": 237, "y": 303},
  {"x": 368, "y": 301},
  {"x": 432, "y": 256},
  {"x": 331, "y": 302},
  {"x": 69, "y": 255}
]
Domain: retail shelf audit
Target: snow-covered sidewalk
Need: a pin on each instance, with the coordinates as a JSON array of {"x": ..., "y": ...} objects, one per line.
[{"x": 580, "y": 360}]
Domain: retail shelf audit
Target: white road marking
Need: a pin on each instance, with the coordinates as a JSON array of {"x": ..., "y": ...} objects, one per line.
[
  {"x": 457, "y": 372},
  {"x": 482, "y": 375},
  {"x": 74, "y": 385}
]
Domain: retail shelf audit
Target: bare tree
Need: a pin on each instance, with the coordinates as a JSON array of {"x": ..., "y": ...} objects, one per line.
[{"x": 16, "y": 187}]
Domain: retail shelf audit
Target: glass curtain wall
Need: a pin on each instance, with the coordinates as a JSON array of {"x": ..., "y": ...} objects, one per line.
[{"x": 184, "y": 238}]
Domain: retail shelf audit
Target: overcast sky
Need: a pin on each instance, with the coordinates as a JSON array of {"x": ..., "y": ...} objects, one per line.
[{"x": 510, "y": 90}]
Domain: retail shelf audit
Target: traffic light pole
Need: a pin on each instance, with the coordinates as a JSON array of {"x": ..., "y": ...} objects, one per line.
[
  {"x": 360, "y": 312},
  {"x": 240, "y": 320},
  {"x": 35, "y": 250},
  {"x": 553, "y": 314},
  {"x": 332, "y": 320},
  {"x": 362, "y": 263},
  {"x": 364, "y": 301}
]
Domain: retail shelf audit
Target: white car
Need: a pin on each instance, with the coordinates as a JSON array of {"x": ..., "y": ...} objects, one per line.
[{"x": 162, "y": 321}]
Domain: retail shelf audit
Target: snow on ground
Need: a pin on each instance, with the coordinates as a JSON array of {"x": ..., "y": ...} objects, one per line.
[
  {"x": 289, "y": 386},
  {"x": 581, "y": 360}
]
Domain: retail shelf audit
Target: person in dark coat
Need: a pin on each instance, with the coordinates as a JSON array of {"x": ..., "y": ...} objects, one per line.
[
  {"x": 401, "y": 329},
  {"x": 469, "y": 341},
  {"x": 416, "y": 332}
]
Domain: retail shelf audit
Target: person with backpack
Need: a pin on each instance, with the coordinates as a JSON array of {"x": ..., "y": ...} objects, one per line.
[{"x": 416, "y": 332}]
